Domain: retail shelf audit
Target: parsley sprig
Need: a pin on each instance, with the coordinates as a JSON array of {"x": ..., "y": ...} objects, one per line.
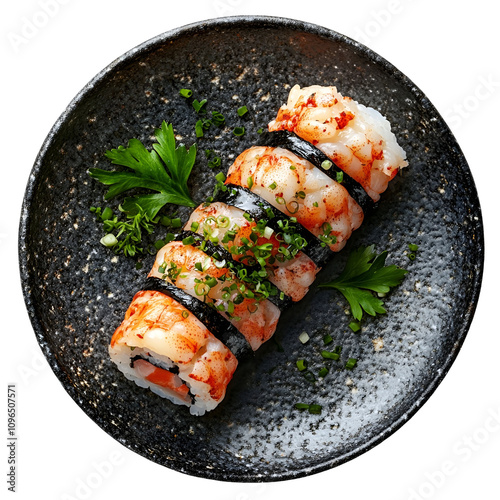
[
  {"x": 365, "y": 272},
  {"x": 165, "y": 169}
]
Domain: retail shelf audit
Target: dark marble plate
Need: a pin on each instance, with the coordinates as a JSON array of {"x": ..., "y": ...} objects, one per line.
[{"x": 76, "y": 292}]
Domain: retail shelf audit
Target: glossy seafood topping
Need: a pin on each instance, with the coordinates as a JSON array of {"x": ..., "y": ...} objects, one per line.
[
  {"x": 356, "y": 138},
  {"x": 299, "y": 189},
  {"x": 155, "y": 325},
  {"x": 250, "y": 242},
  {"x": 200, "y": 275}
]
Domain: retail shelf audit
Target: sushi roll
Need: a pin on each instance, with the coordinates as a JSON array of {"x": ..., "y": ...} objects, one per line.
[
  {"x": 215, "y": 293},
  {"x": 189, "y": 267},
  {"x": 358, "y": 139},
  {"x": 163, "y": 346},
  {"x": 299, "y": 189},
  {"x": 251, "y": 243}
]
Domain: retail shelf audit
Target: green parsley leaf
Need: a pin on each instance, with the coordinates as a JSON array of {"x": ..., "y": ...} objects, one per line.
[
  {"x": 365, "y": 272},
  {"x": 165, "y": 169}
]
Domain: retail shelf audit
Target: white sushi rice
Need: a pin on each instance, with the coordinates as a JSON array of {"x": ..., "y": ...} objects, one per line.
[{"x": 122, "y": 354}]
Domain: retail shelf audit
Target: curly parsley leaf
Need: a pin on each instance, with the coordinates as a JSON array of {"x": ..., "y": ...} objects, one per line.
[
  {"x": 165, "y": 169},
  {"x": 365, "y": 272}
]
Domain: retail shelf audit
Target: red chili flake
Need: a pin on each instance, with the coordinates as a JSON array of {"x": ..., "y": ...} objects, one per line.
[
  {"x": 343, "y": 119},
  {"x": 311, "y": 100}
]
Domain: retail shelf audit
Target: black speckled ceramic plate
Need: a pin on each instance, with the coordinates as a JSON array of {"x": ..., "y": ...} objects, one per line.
[{"x": 77, "y": 291}]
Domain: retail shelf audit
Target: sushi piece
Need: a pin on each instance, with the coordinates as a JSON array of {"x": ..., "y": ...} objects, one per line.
[
  {"x": 215, "y": 322},
  {"x": 358, "y": 139},
  {"x": 184, "y": 264},
  {"x": 299, "y": 189},
  {"x": 260, "y": 210},
  {"x": 251, "y": 243},
  {"x": 162, "y": 346},
  {"x": 295, "y": 144}
]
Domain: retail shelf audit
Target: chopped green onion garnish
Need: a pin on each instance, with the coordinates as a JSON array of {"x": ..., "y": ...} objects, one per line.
[
  {"x": 315, "y": 409},
  {"x": 411, "y": 246},
  {"x": 351, "y": 363},
  {"x": 223, "y": 221},
  {"x": 165, "y": 221},
  {"x": 250, "y": 182},
  {"x": 354, "y": 326},
  {"x": 176, "y": 223},
  {"x": 243, "y": 110},
  {"x": 293, "y": 207},
  {"x": 301, "y": 406},
  {"x": 198, "y": 128},
  {"x": 412, "y": 256},
  {"x": 301, "y": 364},
  {"x": 188, "y": 241},
  {"x": 315, "y": 204},
  {"x": 292, "y": 167},
  {"x": 323, "y": 372},
  {"x": 215, "y": 162},
  {"x": 161, "y": 269},
  {"x": 268, "y": 231},
  {"x": 239, "y": 131},
  {"x": 220, "y": 177},
  {"x": 280, "y": 200},
  {"x": 327, "y": 165},
  {"x": 330, "y": 355},
  {"x": 300, "y": 194},
  {"x": 194, "y": 226},
  {"x": 211, "y": 282},
  {"x": 186, "y": 92},
  {"x": 159, "y": 244},
  {"x": 304, "y": 337},
  {"x": 260, "y": 130},
  {"x": 198, "y": 105},
  {"x": 218, "y": 118},
  {"x": 326, "y": 227},
  {"x": 273, "y": 185},
  {"x": 170, "y": 237},
  {"x": 185, "y": 314},
  {"x": 340, "y": 177},
  {"x": 109, "y": 240},
  {"x": 201, "y": 289}
]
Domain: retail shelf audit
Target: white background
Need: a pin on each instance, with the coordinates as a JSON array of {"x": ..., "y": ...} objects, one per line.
[{"x": 450, "y": 50}]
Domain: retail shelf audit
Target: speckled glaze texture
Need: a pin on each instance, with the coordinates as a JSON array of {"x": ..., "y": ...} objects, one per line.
[{"x": 77, "y": 291}]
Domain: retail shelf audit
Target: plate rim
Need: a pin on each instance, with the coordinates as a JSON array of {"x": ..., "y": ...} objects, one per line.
[{"x": 207, "y": 25}]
